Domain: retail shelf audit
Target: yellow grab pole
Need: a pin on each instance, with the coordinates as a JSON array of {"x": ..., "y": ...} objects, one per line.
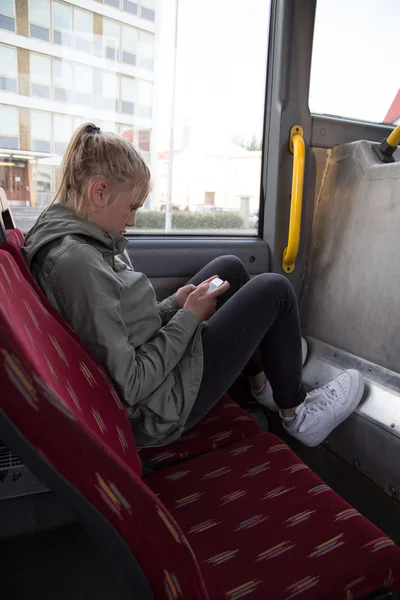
[
  {"x": 297, "y": 147},
  {"x": 394, "y": 138}
]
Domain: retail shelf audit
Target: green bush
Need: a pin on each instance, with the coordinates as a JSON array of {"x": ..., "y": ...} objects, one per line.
[{"x": 187, "y": 220}]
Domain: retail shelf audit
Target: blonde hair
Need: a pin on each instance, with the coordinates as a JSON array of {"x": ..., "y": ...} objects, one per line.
[{"x": 92, "y": 155}]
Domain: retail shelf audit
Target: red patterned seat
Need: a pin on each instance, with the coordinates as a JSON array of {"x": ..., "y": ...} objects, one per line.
[
  {"x": 233, "y": 514},
  {"x": 262, "y": 524},
  {"x": 225, "y": 424}
]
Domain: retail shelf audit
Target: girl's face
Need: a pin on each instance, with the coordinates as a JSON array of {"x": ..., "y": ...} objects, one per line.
[{"x": 119, "y": 213}]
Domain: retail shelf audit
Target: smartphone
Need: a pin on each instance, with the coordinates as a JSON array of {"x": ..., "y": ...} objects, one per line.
[{"x": 214, "y": 284}]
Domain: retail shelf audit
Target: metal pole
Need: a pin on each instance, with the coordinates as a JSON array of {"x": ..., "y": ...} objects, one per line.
[{"x": 168, "y": 207}]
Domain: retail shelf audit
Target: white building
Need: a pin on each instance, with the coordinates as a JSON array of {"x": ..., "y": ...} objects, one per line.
[{"x": 64, "y": 63}]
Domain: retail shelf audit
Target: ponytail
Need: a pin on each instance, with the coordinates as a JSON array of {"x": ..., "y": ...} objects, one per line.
[{"x": 91, "y": 155}]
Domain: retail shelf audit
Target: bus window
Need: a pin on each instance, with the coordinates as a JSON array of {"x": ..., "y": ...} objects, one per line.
[
  {"x": 352, "y": 74},
  {"x": 194, "y": 109}
]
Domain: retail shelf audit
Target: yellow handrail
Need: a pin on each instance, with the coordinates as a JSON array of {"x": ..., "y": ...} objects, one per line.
[
  {"x": 297, "y": 147},
  {"x": 388, "y": 146},
  {"x": 394, "y": 138}
]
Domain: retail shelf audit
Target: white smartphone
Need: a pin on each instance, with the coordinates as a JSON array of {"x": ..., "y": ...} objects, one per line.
[{"x": 214, "y": 284}]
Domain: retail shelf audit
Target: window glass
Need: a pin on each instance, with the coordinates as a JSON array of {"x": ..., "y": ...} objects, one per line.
[
  {"x": 8, "y": 69},
  {"x": 146, "y": 50},
  {"x": 62, "y": 24},
  {"x": 7, "y": 15},
  {"x": 7, "y": 8},
  {"x": 63, "y": 129},
  {"x": 42, "y": 178},
  {"x": 147, "y": 9},
  {"x": 83, "y": 84},
  {"x": 39, "y": 12},
  {"x": 130, "y": 7},
  {"x": 41, "y": 131},
  {"x": 9, "y": 127},
  {"x": 145, "y": 98},
  {"x": 111, "y": 39},
  {"x": 63, "y": 80},
  {"x": 129, "y": 45},
  {"x": 128, "y": 95},
  {"x": 213, "y": 183},
  {"x": 110, "y": 90},
  {"x": 83, "y": 29},
  {"x": 40, "y": 75},
  {"x": 39, "y": 19},
  {"x": 350, "y": 77}
]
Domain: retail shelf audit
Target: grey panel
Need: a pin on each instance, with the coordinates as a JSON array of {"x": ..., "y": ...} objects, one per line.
[
  {"x": 351, "y": 291},
  {"x": 183, "y": 257},
  {"x": 370, "y": 438},
  {"x": 332, "y": 131}
]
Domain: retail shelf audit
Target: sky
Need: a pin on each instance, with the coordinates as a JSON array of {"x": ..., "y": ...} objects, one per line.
[{"x": 221, "y": 64}]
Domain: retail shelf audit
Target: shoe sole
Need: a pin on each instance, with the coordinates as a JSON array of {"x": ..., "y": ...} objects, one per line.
[{"x": 350, "y": 409}]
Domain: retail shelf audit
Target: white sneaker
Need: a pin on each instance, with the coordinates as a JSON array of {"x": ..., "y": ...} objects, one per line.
[
  {"x": 325, "y": 408},
  {"x": 265, "y": 396}
]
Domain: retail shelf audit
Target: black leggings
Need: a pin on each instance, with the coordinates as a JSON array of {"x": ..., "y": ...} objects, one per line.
[{"x": 256, "y": 328}]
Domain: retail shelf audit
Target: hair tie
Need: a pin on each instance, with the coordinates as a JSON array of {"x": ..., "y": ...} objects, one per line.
[{"x": 93, "y": 130}]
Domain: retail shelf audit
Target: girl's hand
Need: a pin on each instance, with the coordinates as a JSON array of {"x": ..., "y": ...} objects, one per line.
[
  {"x": 183, "y": 292},
  {"x": 203, "y": 303}
]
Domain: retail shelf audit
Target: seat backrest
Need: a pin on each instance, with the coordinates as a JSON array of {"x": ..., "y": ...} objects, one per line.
[{"x": 66, "y": 408}]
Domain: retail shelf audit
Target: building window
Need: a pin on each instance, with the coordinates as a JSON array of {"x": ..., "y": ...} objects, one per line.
[
  {"x": 111, "y": 37},
  {"x": 83, "y": 30},
  {"x": 62, "y": 24},
  {"x": 39, "y": 19},
  {"x": 8, "y": 69},
  {"x": 145, "y": 99},
  {"x": 128, "y": 95},
  {"x": 147, "y": 9},
  {"x": 130, "y": 7},
  {"x": 7, "y": 15},
  {"x": 42, "y": 179},
  {"x": 83, "y": 84},
  {"x": 63, "y": 80},
  {"x": 41, "y": 131},
  {"x": 9, "y": 127},
  {"x": 62, "y": 127},
  {"x": 146, "y": 50},
  {"x": 143, "y": 139},
  {"x": 40, "y": 75},
  {"x": 114, "y": 3},
  {"x": 110, "y": 95},
  {"x": 129, "y": 45}
]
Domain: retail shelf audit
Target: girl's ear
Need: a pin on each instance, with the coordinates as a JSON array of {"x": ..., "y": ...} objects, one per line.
[{"x": 98, "y": 193}]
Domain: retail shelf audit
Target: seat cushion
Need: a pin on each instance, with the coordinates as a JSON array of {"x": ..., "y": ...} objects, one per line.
[
  {"x": 263, "y": 525},
  {"x": 225, "y": 424}
]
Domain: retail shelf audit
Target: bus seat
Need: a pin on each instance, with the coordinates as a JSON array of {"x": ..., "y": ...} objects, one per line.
[
  {"x": 250, "y": 517},
  {"x": 259, "y": 520},
  {"x": 226, "y": 423}
]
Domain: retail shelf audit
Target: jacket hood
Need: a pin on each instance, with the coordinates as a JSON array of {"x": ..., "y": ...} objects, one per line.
[{"x": 59, "y": 221}]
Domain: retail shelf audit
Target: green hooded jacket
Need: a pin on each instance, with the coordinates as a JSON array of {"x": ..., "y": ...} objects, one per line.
[{"x": 151, "y": 350}]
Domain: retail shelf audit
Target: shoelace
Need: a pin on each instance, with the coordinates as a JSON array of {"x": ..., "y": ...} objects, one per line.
[{"x": 328, "y": 395}]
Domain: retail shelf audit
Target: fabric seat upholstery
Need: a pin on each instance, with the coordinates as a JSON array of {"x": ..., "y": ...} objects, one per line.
[{"x": 263, "y": 525}]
